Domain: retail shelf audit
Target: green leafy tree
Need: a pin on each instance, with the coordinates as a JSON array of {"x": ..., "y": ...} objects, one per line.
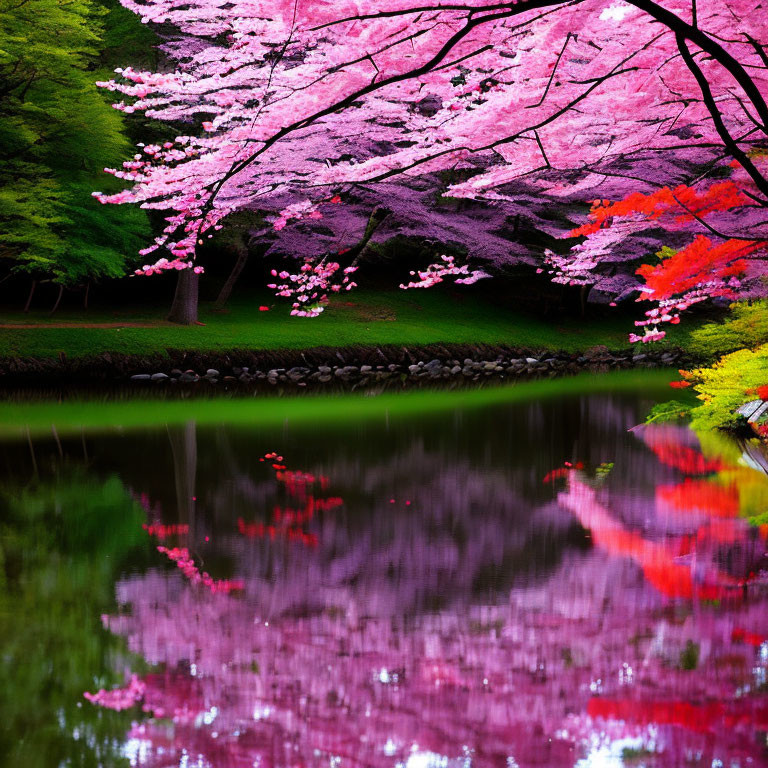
[{"x": 57, "y": 133}]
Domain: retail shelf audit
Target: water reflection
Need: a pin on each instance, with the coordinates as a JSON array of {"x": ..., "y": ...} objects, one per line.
[{"x": 532, "y": 585}]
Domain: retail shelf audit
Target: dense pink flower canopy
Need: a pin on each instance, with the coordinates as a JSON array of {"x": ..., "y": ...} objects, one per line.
[{"x": 577, "y": 98}]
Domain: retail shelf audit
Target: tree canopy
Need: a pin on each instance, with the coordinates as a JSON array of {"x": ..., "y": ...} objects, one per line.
[
  {"x": 56, "y": 135},
  {"x": 581, "y": 100}
]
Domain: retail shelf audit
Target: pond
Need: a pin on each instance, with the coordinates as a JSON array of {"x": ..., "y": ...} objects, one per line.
[{"x": 519, "y": 576}]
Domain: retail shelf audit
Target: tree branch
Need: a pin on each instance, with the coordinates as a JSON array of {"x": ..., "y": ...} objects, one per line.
[{"x": 709, "y": 100}]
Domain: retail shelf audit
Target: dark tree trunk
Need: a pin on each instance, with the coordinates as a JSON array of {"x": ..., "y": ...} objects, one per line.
[
  {"x": 31, "y": 294},
  {"x": 378, "y": 214},
  {"x": 58, "y": 300},
  {"x": 184, "y": 307},
  {"x": 226, "y": 289},
  {"x": 85, "y": 298}
]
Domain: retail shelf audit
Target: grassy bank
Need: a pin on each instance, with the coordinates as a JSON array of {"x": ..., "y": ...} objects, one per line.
[
  {"x": 366, "y": 318},
  {"x": 74, "y": 416}
]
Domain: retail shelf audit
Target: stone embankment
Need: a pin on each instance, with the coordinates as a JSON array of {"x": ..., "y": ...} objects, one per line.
[{"x": 326, "y": 367}]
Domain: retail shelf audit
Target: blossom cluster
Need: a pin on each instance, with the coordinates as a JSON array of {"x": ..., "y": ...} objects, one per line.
[
  {"x": 304, "y": 209},
  {"x": 667, "y": 310},
  {"x": 435, "y": 273},
  {"x": 649, "y": 335},
  {"x": 309, "y": 286},
  {"x": 570, "y": 270},
  {"x": 164, "y": 265}
]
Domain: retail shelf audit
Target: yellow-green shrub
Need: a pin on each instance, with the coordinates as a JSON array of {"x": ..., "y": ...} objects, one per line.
[
  {"x": 726, "y": 385},
  {"x": 746, "y": 327}
]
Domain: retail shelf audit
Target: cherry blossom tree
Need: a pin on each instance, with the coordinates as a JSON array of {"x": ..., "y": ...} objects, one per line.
[{"x": 576, "y": 97}]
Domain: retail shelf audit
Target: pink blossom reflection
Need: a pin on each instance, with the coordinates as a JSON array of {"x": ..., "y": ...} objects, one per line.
[{"x": 647, "y": 642}]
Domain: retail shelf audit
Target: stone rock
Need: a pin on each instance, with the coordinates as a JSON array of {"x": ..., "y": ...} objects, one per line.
[
  {"x": 188, "y": 376},
  {"x": 141, "y": 377},
  {"x": 159, "y": 376},
  {"x": 211, "y": 372},
  {"x": 531, "y": 360},
  {"x": 347, "y": 372},
  {"x": 297, "y": 373}
]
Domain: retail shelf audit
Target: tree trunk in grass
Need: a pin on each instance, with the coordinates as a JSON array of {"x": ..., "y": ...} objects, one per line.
[
  {"x": 184, "y": 307},
  {"x": 58, "y": 299},
  {"x": 29, "y": 297},
  {"x": 226, "y": 290}
]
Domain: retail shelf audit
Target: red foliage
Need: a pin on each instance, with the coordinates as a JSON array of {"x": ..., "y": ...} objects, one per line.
[
  {"x": 684, "y": 201},
  {"x": 704, "y": 268},
  {"x": 700, "y": 262}
]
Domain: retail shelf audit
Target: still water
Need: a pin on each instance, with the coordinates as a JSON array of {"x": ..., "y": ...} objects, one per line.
[{"x": 531, "y": 583}]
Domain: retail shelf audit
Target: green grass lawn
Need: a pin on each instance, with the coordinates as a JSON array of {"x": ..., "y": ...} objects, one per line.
[{"x": 363, "y": 318}]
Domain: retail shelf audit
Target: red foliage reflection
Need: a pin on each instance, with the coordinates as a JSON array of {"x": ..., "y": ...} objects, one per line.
[{"x": 289, "y": 520}]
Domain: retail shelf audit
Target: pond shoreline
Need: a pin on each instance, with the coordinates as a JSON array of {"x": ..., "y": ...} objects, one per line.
[{"x": 324, "y": 367}]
